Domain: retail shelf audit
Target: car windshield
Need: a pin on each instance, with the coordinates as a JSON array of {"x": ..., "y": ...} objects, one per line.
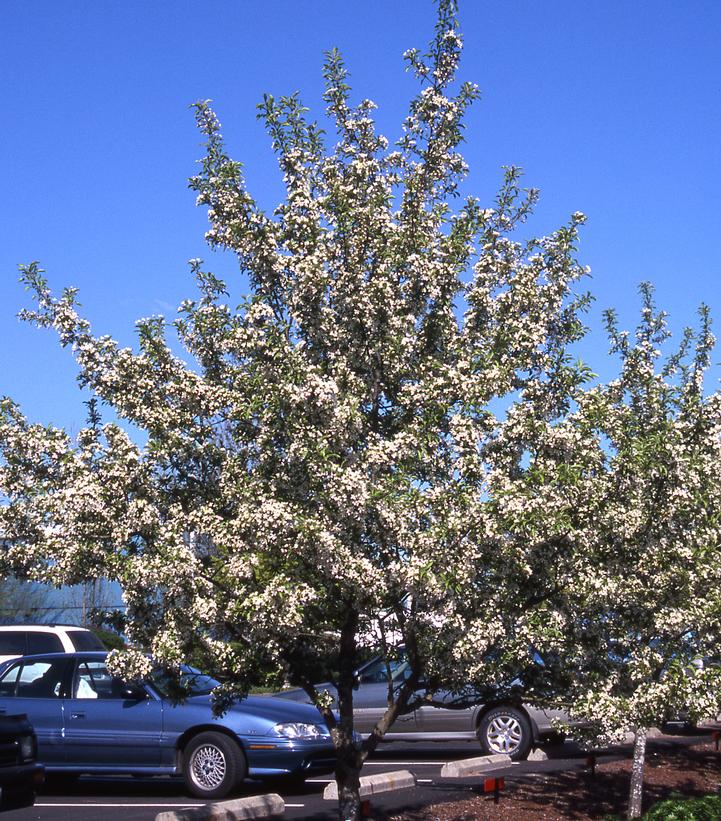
[{"x": 189, "y": 682}]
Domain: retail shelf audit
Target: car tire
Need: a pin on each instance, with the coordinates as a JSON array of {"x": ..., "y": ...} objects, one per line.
[
  {"x": 213, "y": 765},
  {"x": 11, "y": 800},
  {"x": 505, "y": 730}
]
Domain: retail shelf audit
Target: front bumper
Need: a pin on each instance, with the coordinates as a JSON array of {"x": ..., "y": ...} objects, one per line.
[{"x": 278, "y": 756}]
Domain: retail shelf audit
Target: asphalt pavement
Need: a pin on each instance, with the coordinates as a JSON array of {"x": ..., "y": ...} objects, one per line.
[{"x": 122, "y": 798}]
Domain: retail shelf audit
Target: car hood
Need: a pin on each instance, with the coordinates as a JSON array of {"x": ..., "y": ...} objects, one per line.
[
  {"x": 300, "y": 696},
  {"x": 265, "y": 709}
]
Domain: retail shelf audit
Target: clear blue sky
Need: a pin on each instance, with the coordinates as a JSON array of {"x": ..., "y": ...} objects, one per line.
[{"x": 612, "y": 108}]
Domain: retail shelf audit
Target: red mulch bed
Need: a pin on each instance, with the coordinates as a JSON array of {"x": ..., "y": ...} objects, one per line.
[{"x": 575, "y": 795}]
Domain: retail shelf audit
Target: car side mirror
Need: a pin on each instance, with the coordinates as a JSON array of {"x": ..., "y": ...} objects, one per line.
[{"x": 133, "y": 691}]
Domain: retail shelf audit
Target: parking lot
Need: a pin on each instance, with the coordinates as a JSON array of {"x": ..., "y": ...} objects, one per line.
[{"x": 141, "y": 799}]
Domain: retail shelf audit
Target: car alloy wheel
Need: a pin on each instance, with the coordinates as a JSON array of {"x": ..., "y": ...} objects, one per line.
[
  {"x": 207, "y": 767},
  {"x": 505, "y": 730},
  {"x": 213, "y": 765}
]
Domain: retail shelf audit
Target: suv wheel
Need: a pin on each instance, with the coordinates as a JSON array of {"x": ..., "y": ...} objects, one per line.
[{"x": 505, "y": 730}]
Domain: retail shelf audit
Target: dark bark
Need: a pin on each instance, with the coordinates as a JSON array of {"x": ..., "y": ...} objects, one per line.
[
  {"x": 347, "y": 776},
  {"x": 352, "y": 755},
  {"x": 350, "y": 761}
]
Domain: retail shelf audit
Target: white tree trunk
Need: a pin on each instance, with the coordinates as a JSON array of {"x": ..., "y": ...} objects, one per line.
[{"x": 636, "y": 792}]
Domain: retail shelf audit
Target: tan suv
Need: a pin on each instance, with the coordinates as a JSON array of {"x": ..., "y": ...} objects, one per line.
[{"x": 31, "y": 639}]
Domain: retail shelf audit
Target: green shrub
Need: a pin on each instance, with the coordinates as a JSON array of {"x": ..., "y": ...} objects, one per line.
[
  {"x": 111, "y": 639},
  {"x": 707, "y": 808}
]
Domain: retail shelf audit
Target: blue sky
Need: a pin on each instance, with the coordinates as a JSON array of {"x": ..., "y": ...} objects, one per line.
[{"x": 612, "y": 108}]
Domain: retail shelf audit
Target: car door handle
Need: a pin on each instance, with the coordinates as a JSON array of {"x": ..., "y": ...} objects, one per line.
[
  {"x": 77, "y": 715},
  {"x": 2, "y": 711}
]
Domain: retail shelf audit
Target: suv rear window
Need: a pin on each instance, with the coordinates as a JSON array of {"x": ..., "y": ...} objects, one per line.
[
  {"x": 12, "y": 643},
  {"x": 43, "y": 643},
  {"x": 85, "y": 640}
]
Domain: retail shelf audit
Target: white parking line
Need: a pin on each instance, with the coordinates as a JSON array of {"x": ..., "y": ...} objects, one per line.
[
  {"x": 404, "y": 763},
  {"x": 124, "y": 804}
]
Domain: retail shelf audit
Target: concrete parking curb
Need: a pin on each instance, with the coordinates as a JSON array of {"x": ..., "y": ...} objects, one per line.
[
  {"x": 537, "y": 755},
  {"x": 255, "y": 806},
  {"x": 471, "y": 766},
  {"x": 372, "y": 784}
]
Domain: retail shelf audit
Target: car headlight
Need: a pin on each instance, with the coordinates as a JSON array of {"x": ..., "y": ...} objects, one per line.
[
  {"x": 26, "y": 745},
  {"x": 299, "y": 730}
]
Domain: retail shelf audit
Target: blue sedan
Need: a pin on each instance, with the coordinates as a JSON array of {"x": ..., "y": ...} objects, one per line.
[{"x": 88, "y": 721}]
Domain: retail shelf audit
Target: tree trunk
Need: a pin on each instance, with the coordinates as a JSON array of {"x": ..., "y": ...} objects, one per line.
[
  {"x": 636, "y": 792},
  {"x": 350, "y": 759},
  {"x": 347, "y": 777}
]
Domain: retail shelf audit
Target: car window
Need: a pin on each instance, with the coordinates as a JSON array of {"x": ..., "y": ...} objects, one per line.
[
  {"x": 188, "y": 682},
  {"x": 93, "y": 680},
  {"x": 34, "y": 679},
  {"x": 9, "y": 680},
  {"x": 85, "y": 640},
  {"x": 13, "y": 643},
  {"x": 43, "y": 643},
  {"x": 377, "y": 671}
]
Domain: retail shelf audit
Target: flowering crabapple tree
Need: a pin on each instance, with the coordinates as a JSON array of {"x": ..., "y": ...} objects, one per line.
[
  {"x": 334, "y": 467},
  {"x": 643, "y": 610}
]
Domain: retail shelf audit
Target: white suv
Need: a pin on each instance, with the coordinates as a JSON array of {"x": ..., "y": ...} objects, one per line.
[{"x": 29, "y": 639}]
